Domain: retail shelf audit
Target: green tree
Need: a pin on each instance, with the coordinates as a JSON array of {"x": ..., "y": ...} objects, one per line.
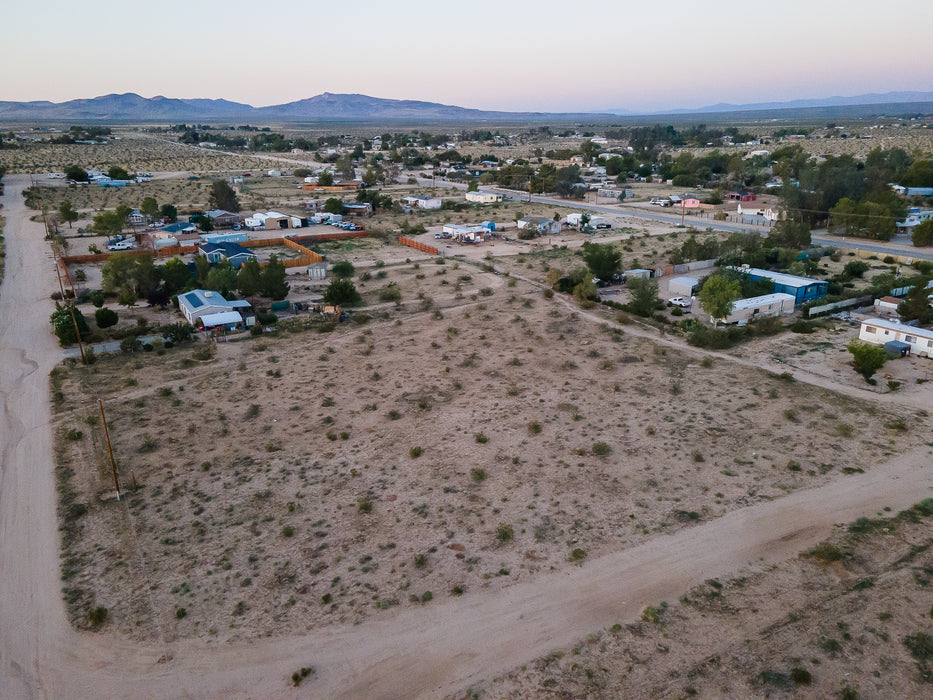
[
  {"x": 204, "y": 222},
  {"x": 127, "y": 297},
  {"x": 118, "y": 272},
  {"x": 222, "y": 277},
  {"x": 97, "y": 298},
  {"x": 644, "y": 296},
  {"x": 177, "y": 332},
  {"x": 223, "y": 197},
  {"x": 66, "y": 213},
  {"x": 855, "y": 268},
  {"x": 843, "y": 217},
  {"x": 867, "y": 359},
  {"x": 472, "y": 185},
  {"x": 118, "y": 173},
  {"x": 76, "y": 173},
  {"x": 343, "y": 269},
  {"x": 168, "y": 211},
  {"x": 922, "y": 235},
  {"x": 145, "y": 275},
  {"x": 104, "y": 318},
  {"x": 64, "y": 326},
  {"x": 916, "y": 306},
  {"x": 585, "y": 293},
  {"x": 790, "y": 234},
  {"x": 201, "y": 267},
  {"x": 604, "y": 261},
  {"x": 176, "y": 275},
  {"x": 108, "y": 223},
  {"x": 341, "y": 292},
  {"x": 325, "y": 179},
  {"x": 149, "y": 207},
  {"x": 333, "y": 206},
  {"x": 248, "y": 280},
  {"x": 272, "y": 280},
  {"x": 717, "y": 296},
  {"x": 919, "y": 174}
]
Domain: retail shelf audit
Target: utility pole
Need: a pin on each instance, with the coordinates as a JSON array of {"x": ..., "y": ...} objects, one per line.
[
  {"x": 683, "y": 211},
  {"x": 113, "y": 464}
]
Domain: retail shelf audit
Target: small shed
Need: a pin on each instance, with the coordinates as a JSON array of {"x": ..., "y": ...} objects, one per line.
[
  {"x": 897, "y": 348},
  {"x": 683, "y": 286},
  {"x": 317, "y": 271},
  {"x": 637, "y": 273}
]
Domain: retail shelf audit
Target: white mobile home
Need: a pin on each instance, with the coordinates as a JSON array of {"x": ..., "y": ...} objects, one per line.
[
  {"x": 879, "y": 331},
  {"x": 483, "y": 197},
  {"x": 745, "y": 310}
]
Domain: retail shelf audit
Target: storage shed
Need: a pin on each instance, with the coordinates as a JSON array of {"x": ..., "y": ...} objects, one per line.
[{"x": 682, "y": 286}]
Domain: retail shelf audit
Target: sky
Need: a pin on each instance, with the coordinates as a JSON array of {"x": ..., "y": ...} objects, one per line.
[{"x": 512, "y": 55}]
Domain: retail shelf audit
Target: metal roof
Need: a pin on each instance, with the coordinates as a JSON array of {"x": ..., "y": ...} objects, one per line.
[
  {"x": 899, "y": 327},
  {"x": 780, "y": 277},
  {"x": 221, "y": 319},
  {"x": 762, "y": 301}
]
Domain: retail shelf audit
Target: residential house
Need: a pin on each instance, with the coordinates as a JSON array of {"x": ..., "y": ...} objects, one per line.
[
  {"x": 358, "y": 208},
  {"x": 742, "y": 196},
  {"x": 745, "y": 310},
  {"x": 484, "y": 197},
  {"x": 543, "y": 225},
  {"x": 234, "y": 252},
  {"x": 416, "y": 202},
  {"x": 200, "y": 303},
  {"x": 619, "y": 193},
  {"x": 224, "y": 219},
  {"x": 137, "y": 218},
  {"x": 914, "y": 218},
  {"x": 879, "y": 331},
  {"x": 801, "y": 288}
]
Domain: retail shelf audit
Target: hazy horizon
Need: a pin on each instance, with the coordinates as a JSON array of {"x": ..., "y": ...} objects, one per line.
[{"x": 503, "y": 56}]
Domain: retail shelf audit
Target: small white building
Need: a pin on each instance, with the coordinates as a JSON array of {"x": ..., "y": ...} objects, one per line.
[
  {"x": 745, "y": 310},
  {"x": 416, "y": 202},
  {"x": 483, "y": 197},
  {"x": 879, "y": 331}
]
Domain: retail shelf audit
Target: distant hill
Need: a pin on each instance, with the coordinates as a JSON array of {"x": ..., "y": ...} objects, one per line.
[
  {"x": 857, "y": 100},
  {"x": 327, "y": 106}
]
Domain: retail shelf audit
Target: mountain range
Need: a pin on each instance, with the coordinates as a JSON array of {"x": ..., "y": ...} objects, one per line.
[
  {"x": 838, "y": 101},
  {"x": 324, "y": 107},
  {"x": 342, "y": 107}
]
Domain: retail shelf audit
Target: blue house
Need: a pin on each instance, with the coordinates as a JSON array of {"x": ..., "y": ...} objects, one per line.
[
  {"x": 234, "y": 252},
  {"x": 801, "y": 288}
]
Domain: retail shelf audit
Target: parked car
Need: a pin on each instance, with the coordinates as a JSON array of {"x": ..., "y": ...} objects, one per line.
[
  {"x": 679, "y": 301},
  {"x": 603, "y": 225},
  {"x": 126, "y": 244},
  {"x": 437, "y": 236}
]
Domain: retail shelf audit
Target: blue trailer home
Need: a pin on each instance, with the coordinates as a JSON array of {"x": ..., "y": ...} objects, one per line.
[{"x": 803, "y": 289}]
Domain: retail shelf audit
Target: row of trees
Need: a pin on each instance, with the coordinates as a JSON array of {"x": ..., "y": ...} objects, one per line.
[{"x": 133, "y": 277}]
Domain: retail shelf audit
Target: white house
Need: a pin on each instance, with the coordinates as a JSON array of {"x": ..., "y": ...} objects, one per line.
[
  {"x": 416, "y": 202},
  {"x": 879, "y": 331},
  {"x": 198, "y": 303},
  {"x": 745, "y": 310},
  {"x": 542, "y": 224},
  {"x": 483, "y": 197}
]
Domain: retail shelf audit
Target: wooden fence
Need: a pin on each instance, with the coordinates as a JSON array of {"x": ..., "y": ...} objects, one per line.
[{"x": 417, "y": 245}]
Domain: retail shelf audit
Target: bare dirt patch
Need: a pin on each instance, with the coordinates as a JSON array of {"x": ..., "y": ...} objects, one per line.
[
  {"x": 299, "y": 481},
  {"x": 852, "y": 613}
]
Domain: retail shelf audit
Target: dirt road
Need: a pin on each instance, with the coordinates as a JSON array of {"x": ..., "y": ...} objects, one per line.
[{"x": 429, "y": 651}]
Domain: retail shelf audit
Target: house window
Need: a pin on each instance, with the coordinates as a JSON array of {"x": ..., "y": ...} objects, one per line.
[
  {"x": 909, "y": 339},
  {"x": 870, "y": 329}
]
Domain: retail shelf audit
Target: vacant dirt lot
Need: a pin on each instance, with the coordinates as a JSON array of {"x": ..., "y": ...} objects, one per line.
[
  {"x": 852, "y": 615},
  {"x": 291, "y": 482}
]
